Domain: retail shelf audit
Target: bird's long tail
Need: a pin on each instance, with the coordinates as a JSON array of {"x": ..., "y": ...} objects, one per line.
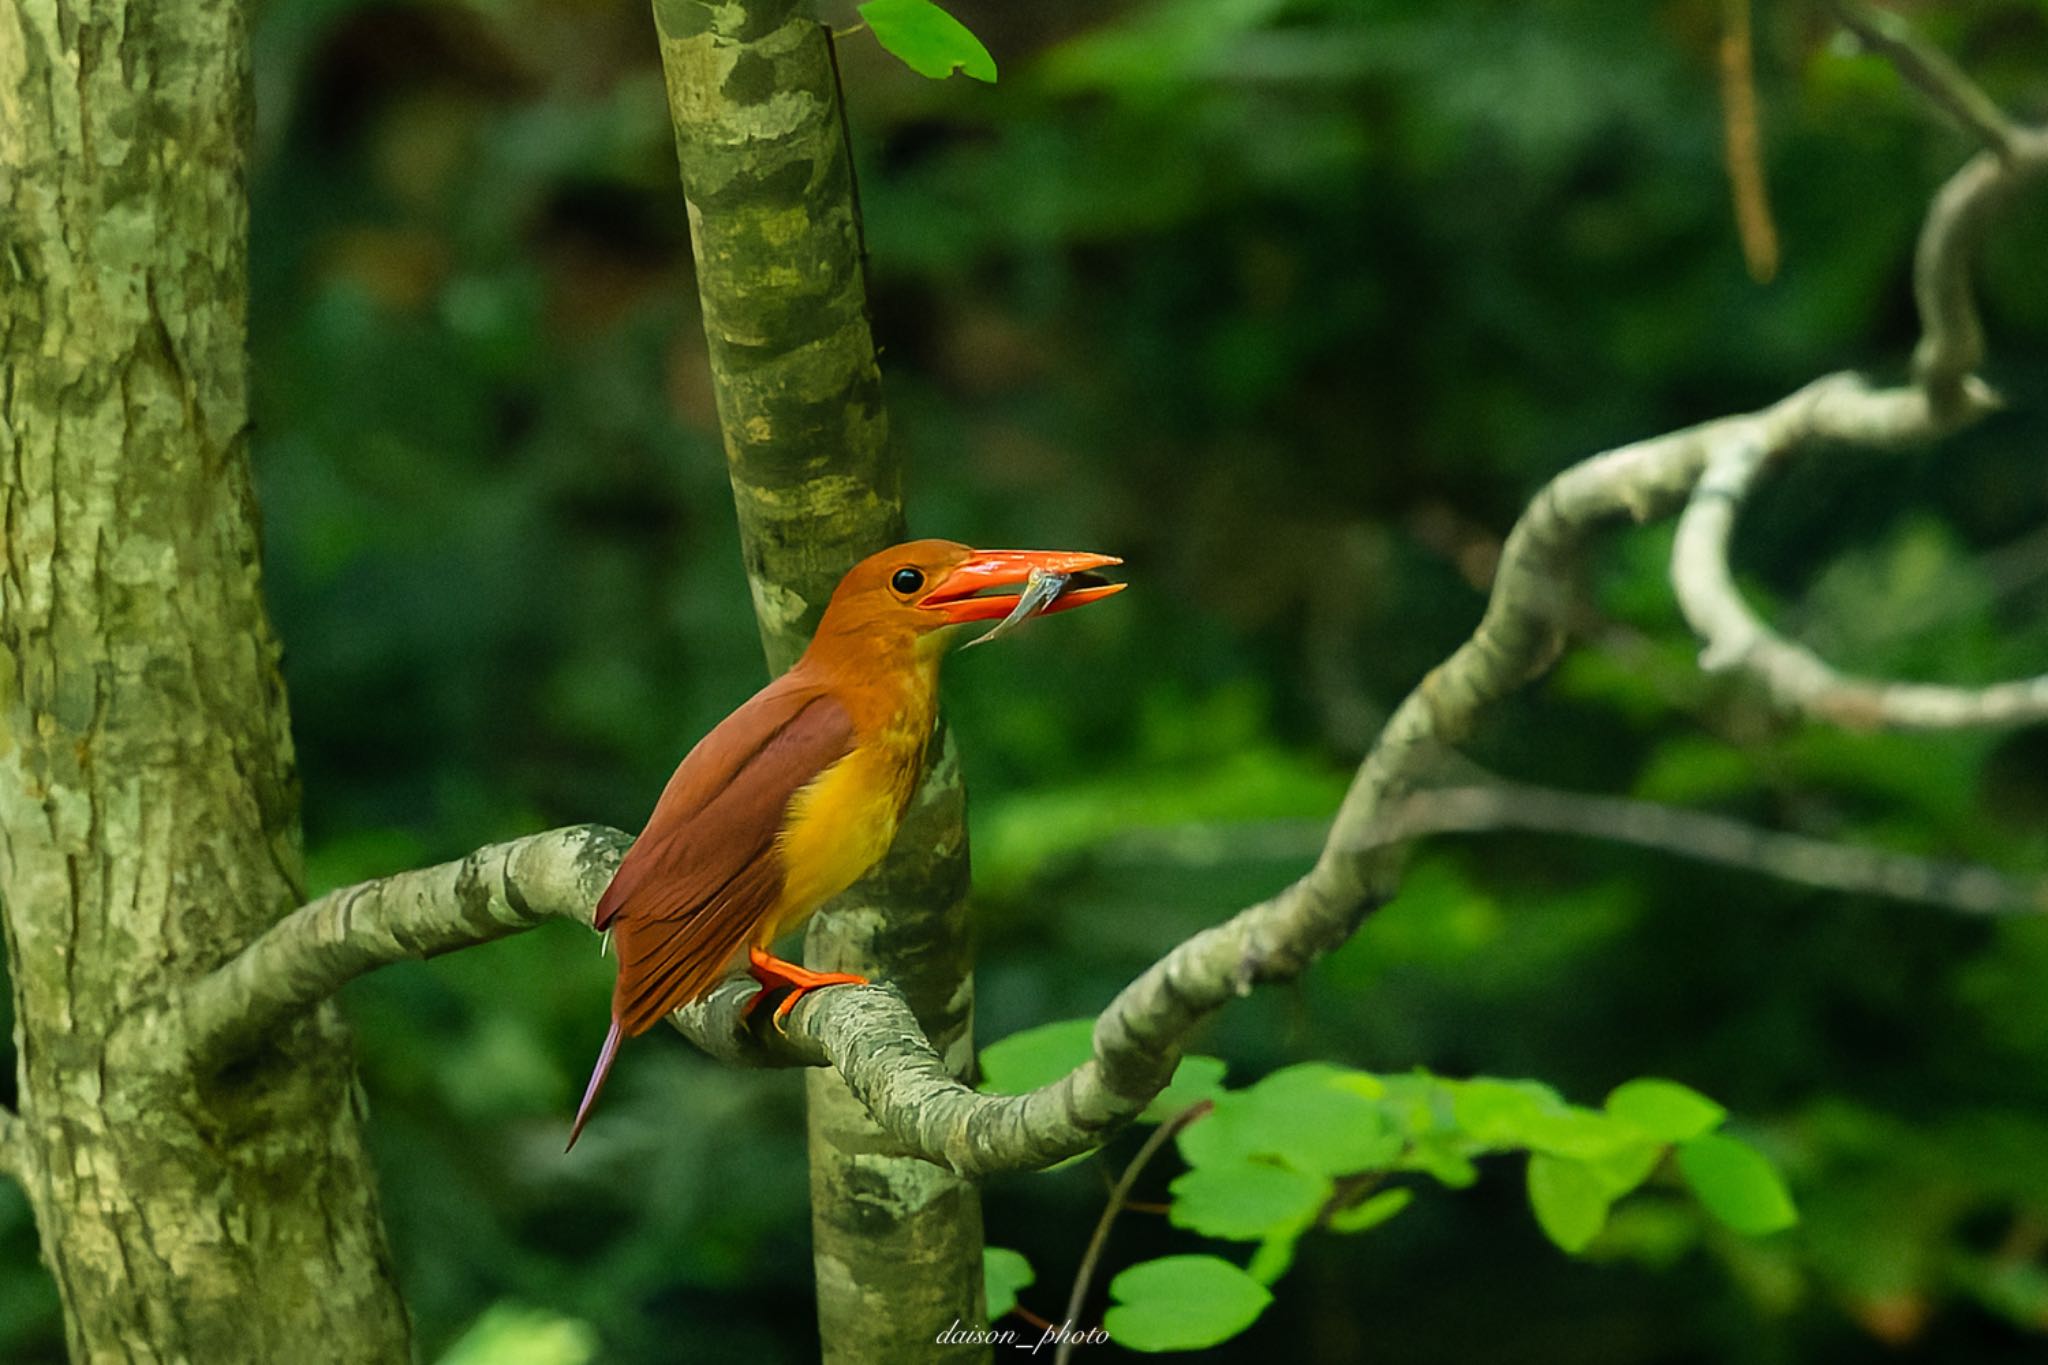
[{"x": 603, "y": 1069}]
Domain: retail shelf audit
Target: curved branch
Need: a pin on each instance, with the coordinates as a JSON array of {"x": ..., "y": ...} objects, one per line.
[
  {"x": 317, "y": 949},
  {"x": 1945, "y": 361},
  {"x": 1735, "y": 637},
  {"x": 1952, "y": 335}
]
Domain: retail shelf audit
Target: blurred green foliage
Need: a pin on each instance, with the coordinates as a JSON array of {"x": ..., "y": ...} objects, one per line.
[
  {"x": 1310, "y": 1147},
  {"x": 1292, "y": 303}
]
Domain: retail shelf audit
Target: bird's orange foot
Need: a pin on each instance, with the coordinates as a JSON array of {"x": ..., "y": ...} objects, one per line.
[{"x": 773, "y": 974}]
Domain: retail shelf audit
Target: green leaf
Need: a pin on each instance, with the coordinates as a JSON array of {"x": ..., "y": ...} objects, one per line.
[
  {"x": 1624, "y": 1168},
  {"x": 1665, "y": 1110},
  {"x": 1582, "y": 1134},
  {"x": 1182, "y": 1303},
  {"x": 1569, "y": 1200},
  {"x": 1273, "y": 1259},
  {"x": 1037, "y": 1056},
  {"x": 1320, "y": 1119},
  {"x": 1737, "y": 1185},
  {"x": 512, "y": 1334},
  {"x": 1688, "y": 769},
  {"x": 1507, "y": 1114},
  {"x": 1247, "y": 1202},
  {"x": 1371, "y": 1212},
  {"x": 1501, "y": 1113},
  {"x": 1437, "y": 1156},
  {"x": 1004, "y": 1272},
  {"x": 1305, "y": 1076},
  {"x": 929, "y": 41},
  {"x": 1194, "y": 1080}
]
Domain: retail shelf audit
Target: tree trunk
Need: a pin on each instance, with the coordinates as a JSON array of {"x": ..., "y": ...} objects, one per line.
[
  {"x": 148, "y": 801},
  {"x": 753, "y": 91}
]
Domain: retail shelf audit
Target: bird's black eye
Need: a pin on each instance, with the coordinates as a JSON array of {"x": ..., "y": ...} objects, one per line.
[{"x": 906, "y": 581}]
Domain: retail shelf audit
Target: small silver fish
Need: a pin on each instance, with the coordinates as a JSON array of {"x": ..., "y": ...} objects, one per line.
[{"x": 1040, "y": 590}]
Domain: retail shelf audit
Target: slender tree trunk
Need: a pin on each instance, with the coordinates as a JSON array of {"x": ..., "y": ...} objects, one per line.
[
  {"x": 753, "y": 91},
  {"x": 148, "y": 801}
]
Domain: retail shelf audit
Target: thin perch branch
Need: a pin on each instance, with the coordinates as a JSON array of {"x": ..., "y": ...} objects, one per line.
[
  {"x": 1952, "y": 335},
  {"x": 1119, "y": 1200},
  {"x": 1798, "y": 858},
  {"x": 1929, "y": 69},
  {"x": 1952, "y": 345},
  {"x": 1742, "y": 143},
  {"x": 1701, "y": 836}
]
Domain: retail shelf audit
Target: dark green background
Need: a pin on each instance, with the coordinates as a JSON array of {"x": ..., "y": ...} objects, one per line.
[{"x": 1292, "y": 303}]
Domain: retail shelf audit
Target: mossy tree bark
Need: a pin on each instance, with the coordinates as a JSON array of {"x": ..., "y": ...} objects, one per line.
[
  {"x": 148, "y": 802},
  {"x": 754, "y": 95}
]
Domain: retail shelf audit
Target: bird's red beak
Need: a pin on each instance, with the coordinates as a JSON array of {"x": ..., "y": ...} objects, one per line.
[{"x": 969, "y": 592}]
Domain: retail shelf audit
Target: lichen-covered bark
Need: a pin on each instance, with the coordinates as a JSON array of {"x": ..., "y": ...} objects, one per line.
[
  {"x": 761, "y": 145},
  {"x": 897, "y": 1240},
  {"x": 148, "y": 803},
  {"x": 769, "y": 185}
]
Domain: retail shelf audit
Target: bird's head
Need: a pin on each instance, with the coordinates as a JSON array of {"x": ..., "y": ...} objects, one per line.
[{"x": 925, "y": 586}]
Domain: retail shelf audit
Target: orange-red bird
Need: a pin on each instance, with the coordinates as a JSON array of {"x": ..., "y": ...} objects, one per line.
[{"x": 796, "y": 794}]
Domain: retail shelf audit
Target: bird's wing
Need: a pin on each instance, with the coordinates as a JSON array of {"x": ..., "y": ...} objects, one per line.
[{"x": 706, "y": 871}]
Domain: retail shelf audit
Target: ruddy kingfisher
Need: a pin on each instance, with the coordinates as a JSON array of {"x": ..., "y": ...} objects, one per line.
[{"x": 793, "y": 797}]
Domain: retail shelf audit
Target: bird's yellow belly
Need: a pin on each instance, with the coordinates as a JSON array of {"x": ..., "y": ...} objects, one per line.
[{"x": 838, "y": 827}]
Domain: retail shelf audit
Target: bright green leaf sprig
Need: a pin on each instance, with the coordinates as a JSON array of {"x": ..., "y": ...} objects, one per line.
[
  {"x": 1315, "y": 1146},
  {"x": 1004, "y": 1272},
  {"x": 1182, "y": 1303},
  {"x": 929, "y": 41}
]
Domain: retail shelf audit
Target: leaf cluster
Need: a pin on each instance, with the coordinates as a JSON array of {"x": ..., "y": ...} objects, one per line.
[{"x": 1320, "y": 1147}]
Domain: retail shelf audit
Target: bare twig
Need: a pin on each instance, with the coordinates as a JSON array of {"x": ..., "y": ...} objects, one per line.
[
  {"x": 1043, "y": 1324},
  {"x": 1929, "y": 69},
  {"x": 1494, "y": 805},
  {"x": 1718, "y": 839},
  {"x": 1742, "y": 143},
  {"x": 1952, "y": 335},
  {"x": 1952, "y": 344},
  {"x": 1119, "y": 1199}
]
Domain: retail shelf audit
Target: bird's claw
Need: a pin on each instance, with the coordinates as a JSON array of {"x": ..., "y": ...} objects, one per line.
[{"x": 773, "y": 973}]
